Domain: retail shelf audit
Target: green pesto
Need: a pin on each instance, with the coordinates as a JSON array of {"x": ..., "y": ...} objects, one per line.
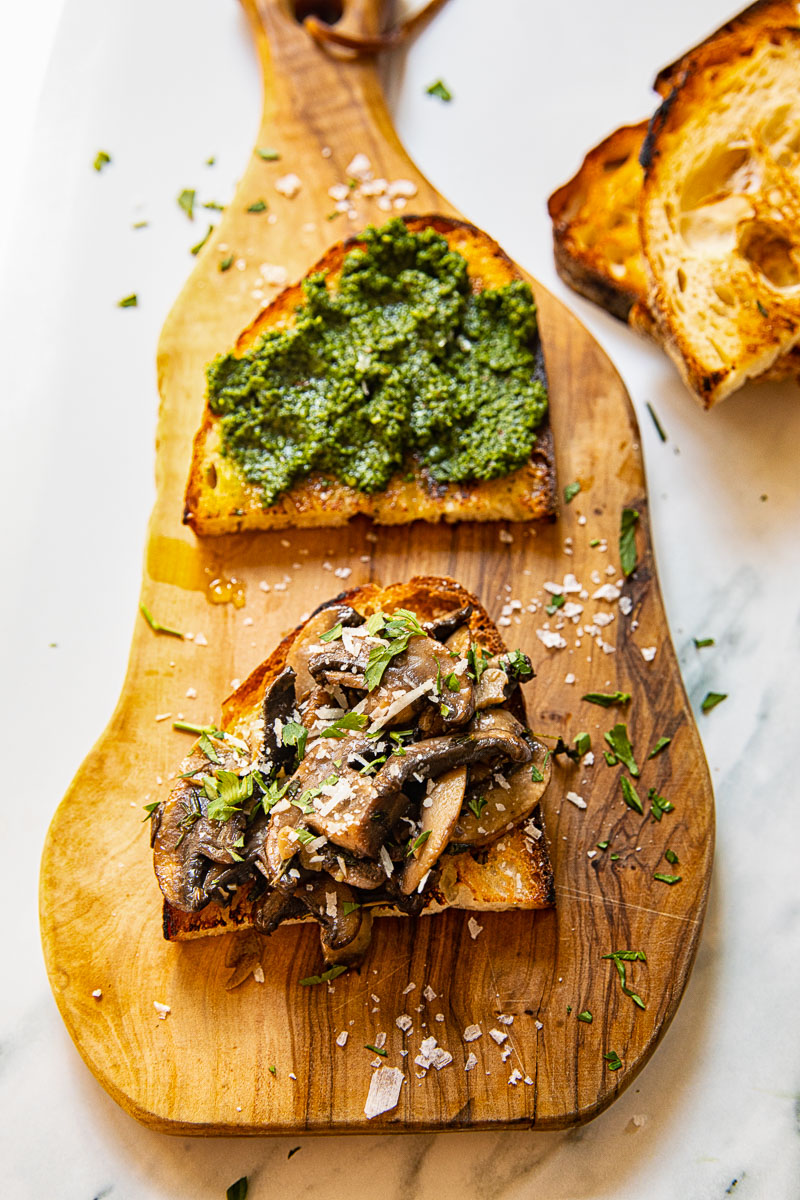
[{"x": 400, "y": 366}]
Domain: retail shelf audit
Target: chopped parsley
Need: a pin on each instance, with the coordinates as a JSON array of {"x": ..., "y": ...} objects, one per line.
[
  {"x": 340, "y": 727},
  {"x": 150, "y": 810},
  {"x": 660, "y": 745},
  {"x": 478, "y": 803},
  {"x": 420, "y": 841},
  {"x": 571, "y": 491},
  {"x": 226, "y": 792},
  {"x": 198, "y": 246},
  {"x": 671, "y": 857},
  {"x": 131, "y": 301},
  {"x": 667, "y": 878},
  {"x": 205, "y": 744},
  {"x": 325, "y": 977},
  {"x": 602, "y": 845},
  {"x": 214, "y": 205},
  {"x": 656, "y": 422},
  {"x": 536, "y": 774},
  {"x": 607, "y": 699},
  {"x": 700, "y": 643},
  {"x": 611, "y": 759},
  {"x": 305, "y": 836},
  {"x": 630, "y": 795},
  {"x": 613, "y": 1059},
  {"x": 101, "y": 160},
  {"x": 156, "y": 626},
  {"x": 186, "y": 202},
  {"x": 400, "y": 627},
  {"x": 583, "y": 744},
  {"x": 517, "y": 665},
  {"x": 585, "y": 1016},
  {"x": 620, "y": 745},
  {"x": 295, "y": 734},
  {"x": 267, "y": 153},
  {"x": 658, "y": 805},
  {"x": 441, "y": 90},
  {"x": 712, "y": 699},
  {"x": 350, "y": 906},
  {"x": 627, "y": 540},
  {"x": 764, "y": 312},
  {"x": 477, "y": 662},
  {"x": 375, "y": 1049},
  {"x": 226, "y": 263},
  {"x": 556, "y": 602},
  {"x": 258, "y": 206},
  {"x": 452, "y": 682},
  {"x": 333, "y": 634},
  {"x": 619, "y": 959}
]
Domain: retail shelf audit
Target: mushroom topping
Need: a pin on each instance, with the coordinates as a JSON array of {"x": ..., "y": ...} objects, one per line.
[
  {"x": 442, "y": 628},
  {"x": 440, "y": 810},
  {"x": 501, "y": 801},
  {"x": 308, "y": 643},
  {"x": 354, "y": 951},
  {"x": 279, "y": 702},
  {"x": 335, "y": 907}
]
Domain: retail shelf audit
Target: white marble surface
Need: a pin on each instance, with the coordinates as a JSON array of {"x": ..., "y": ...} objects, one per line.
[{"x": 717, "y": 1111}]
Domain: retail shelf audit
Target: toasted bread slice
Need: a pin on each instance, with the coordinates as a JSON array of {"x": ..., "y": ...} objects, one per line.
[
  {"x": 219, "y": 500},
  {"x": 511, "y": 872},
  {"x": 720, "y": 213}
]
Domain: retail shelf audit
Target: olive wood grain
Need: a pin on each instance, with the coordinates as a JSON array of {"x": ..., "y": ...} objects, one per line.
[{"x": 205, "y": 1068}]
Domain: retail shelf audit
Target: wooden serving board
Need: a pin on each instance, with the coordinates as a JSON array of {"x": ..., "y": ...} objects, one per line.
[{"x": 205, "y": 1067}]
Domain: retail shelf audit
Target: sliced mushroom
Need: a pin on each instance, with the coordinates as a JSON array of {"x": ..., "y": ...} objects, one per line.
[
  {"x": 280, "y": 846},
  {"x": 439, "y": 813},
  {"x": 279, "y": 702},
  {"x": 496, "y": 806},
  {"x": 361, "y": 873},
  {"x": 423, "y": 662},
  {"x": 442, "y": 628},
  {"x": 494, "y": 687},
  {"x": 275, "y": 905},
  {"x": 335, "y": 907},
  {"x": 187, "y": 843},
  {"x": 307, "y": 643},
  {"x": 460, "y": 641},
  {"x": 354, "y": 951}
]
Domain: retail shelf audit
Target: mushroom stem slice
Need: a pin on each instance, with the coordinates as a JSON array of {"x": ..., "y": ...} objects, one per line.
[
  {"x": 438, "y": 819},
  {"x": 354, "y": 951},
  {"x": 492, "y": 808}
]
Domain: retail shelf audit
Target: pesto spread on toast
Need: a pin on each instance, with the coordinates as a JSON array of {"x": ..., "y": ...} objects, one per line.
[{"x": 401, "y": 364}]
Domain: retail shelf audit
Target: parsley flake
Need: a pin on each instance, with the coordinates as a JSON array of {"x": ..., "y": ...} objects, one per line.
[
  {"x": 570, "y": 491},
  {"x": 333, "y": 634},
  {"x": 585, "y": 1016},
  {"x": 186, "y": 202},
  {"x": 156, "y": 626},
  {"x": 701, "y": 642},
  {"x": 375, "y": 1049},
  {"x": 620, "y": 745},
  {"x": 131, "y": 301},
  {"x": 325, "y": 977},
  {"x": 656, "y": 422},
  {"x": 619, "y": 958},
  {"x": 295, "y": 734},
  {"x": 660, "y": 745},
  {"x": 607, "y": 699},
  {"x": 226, "y": 263},
  {"x": 671, "y": 857},
  {"x": 536, "y": 775},
  {"x": 478, "y": 803},
  {"x": 267, "y": 153},
  {"x": 101, "y": 160},
  {"x": 350, "y": 720},
  {"x": 658, "y": 805},
  {"x": 630, "y": 795},
  {"x": 667, "y": 878},
  {"x": 627, "y": 540},
  {"x": 198, "y": 246},
  {"x": 257, "y": 206},
  {"x": 441, "y": 90},
  {"x": 583, "y": 744},
  {"x": 712, "y": 699},
  {"x": 150, "y": 810},
  {"x": 613, "y": 1059}
]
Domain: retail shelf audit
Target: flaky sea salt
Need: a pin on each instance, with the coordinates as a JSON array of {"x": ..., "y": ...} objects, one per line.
[{"x": 384, "y": 1091}]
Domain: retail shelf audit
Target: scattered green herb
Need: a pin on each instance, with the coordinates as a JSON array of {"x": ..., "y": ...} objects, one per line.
[
  {"x": 206, "y": 745},
  {"x": 267, "y": 153},
  {"x": 477, "y": 660},
  {"x": 305, "y": 836},
  {"x": 517, "y": 665},
  {"x": 349, "y": 720},
  {"x": 400, "y": 627},
  {"x": 536, "y": 775},
  {"x": 594, "y": 542},
  {"x": 238, "y": 1190},
  {"x": 257, "y": 206},
  {"x": 156, "y": 626},
  {"x": 272, "y": 1070},
  {"x": 620, "y": 746},
  {"x": 658, "y": 805},
  {"x": 761, "y": 309},
  {"x": 186, "y": 202},
  {"x": 295, "y": 734},
  {"x": 333, "y": 634},
  {"x": 101, "y": 160},
  {"x": 556, "y": 602},
  {"x": 700, "y": 643},
  {"x": 214, "y": 205},
  {"x": 211, "y": 160},
  {"x": 571, "y": 491},
  {"x": 712, "y": 699},
  {"x": 226, "y": 792},
  {"x": 603, "y": 845},
  {"x": 333, "y": 215},
  {"x": 656, "y": 422},
  {"x": 614, "y": 857},
  {"x": 585, "y": 1016},
  {"x": 583, "y": 744},
  {"x": 607, "y": 699},
  {"x": 375, "y": 1049},
  {"x": 613, "y": 1059},
  {"x": 627, "y": 540},
  {"x": 441, "y": 90},
  {"x": 671, "y": 857},
  {"x": 198, "y": 246},
  {"x": 150, "y": 809},
  {"x": 131, "y": 301},
  {"x": 667, "y": 878},
  {"x": 660, "y": 745},
  {"x": 420, "y": 841},
  {"x": 226, "y": 263},
  {"x": 325, "y": 977},
  {"x": 375, "y": 623},
  {"x": 350, "y": 906},
  {"x": 619, "y": 958},
  {"x": 140, "y": 224},
  {"x": 478, "y": 803},
  {"x": 630, "y": 795},
  {"x": 452, "y": 682},
  {"x": 611, "y": 759}
]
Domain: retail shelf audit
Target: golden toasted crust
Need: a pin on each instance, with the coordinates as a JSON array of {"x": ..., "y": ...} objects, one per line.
[
  {"x": 514, "y": 872},
  {"x": 720, "y": 213},
  {"x": 219, "y": 500}
]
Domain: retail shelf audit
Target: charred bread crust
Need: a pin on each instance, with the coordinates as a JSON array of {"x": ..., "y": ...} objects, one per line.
[
  {"x": 514, "y": 872},
  {"x": 219, "y": 500}
]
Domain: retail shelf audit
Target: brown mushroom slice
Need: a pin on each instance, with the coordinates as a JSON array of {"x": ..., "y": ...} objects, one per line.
[
  {"x": 504, "y": 806},
  {"x": 187, "y": 843},
  {"x": 307, "y": 643},
  {"x": 442, "y": 628},
  {"x": 494, "y": 687},
  {"x": 354, "y": 951},
  {"x": 439, "y": 814},
  {"x": 277, "y": 708},
  {"x": 279, "y": 845},
  {"x": 334, "y": 905},
  {"x": 460, "y": 641}
]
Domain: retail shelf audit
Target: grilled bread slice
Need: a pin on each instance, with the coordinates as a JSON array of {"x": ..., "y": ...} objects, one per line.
[
  {"x": 720, "y": 213},
  {"x": 595, "y": 215},
  {"x": 219, "y": 500},
  {"x": 511, "y": 871}
]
